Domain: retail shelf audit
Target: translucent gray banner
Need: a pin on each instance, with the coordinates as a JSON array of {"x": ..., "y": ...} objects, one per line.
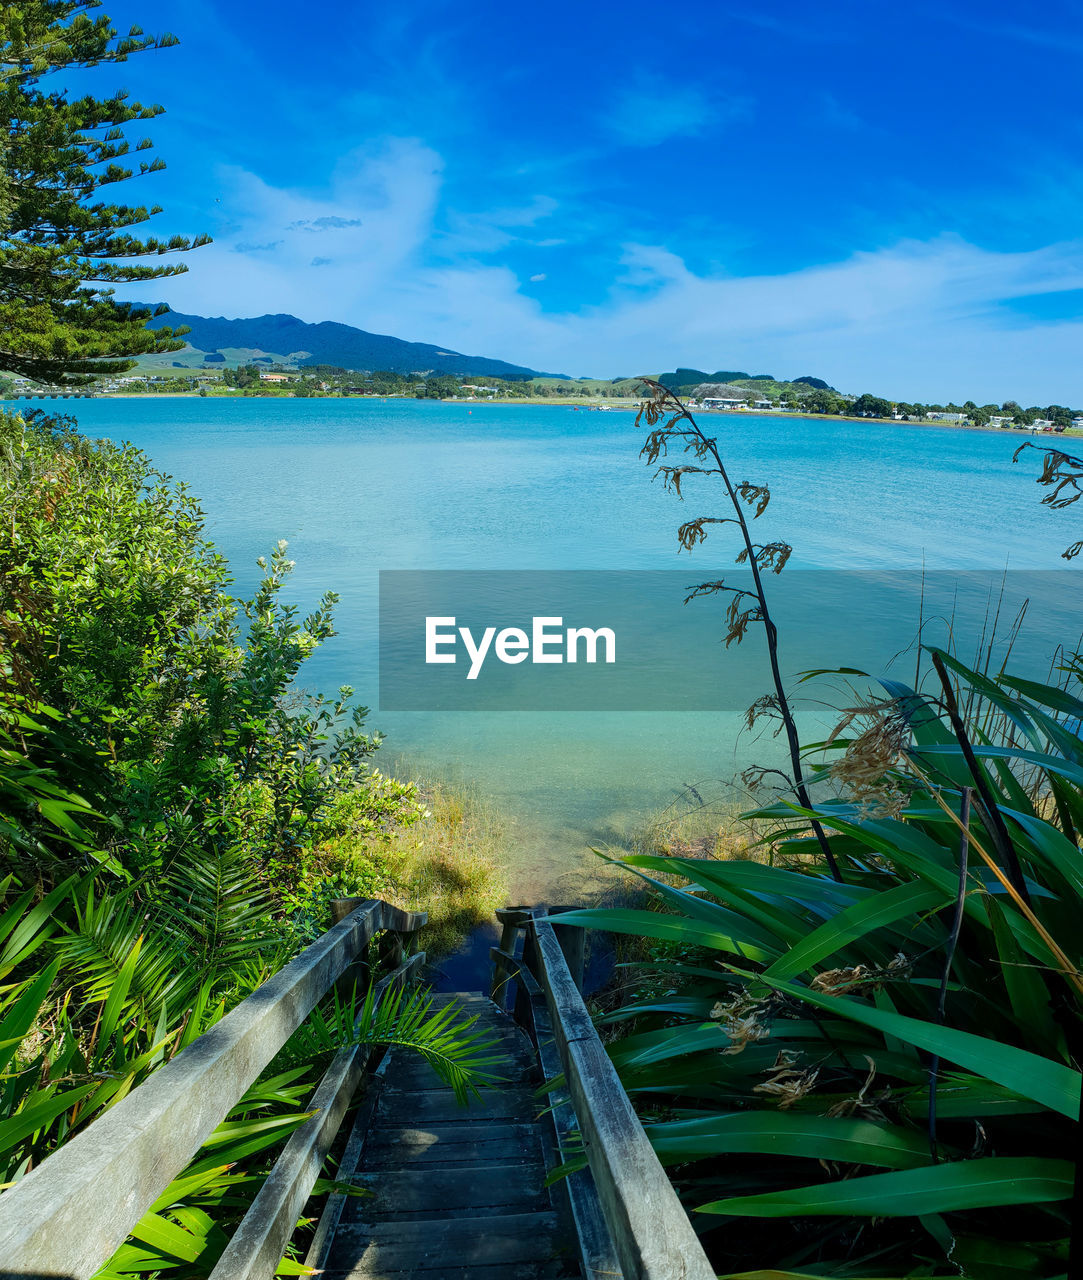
[{"x": 594, "y": 640}]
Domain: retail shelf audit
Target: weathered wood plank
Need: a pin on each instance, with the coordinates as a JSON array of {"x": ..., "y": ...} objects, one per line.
[
  {"x": 573, "y": 942},
  {"x": 450, "y": 1144},
  {"x": 391, "y": 917},
  {"x": 446, "y": 1270},
  {"x": 323, "y": 1236},
  {"x": 516, "y": 1065},
  {"x": 471, "y": 1190},
  {"x": 460, "y": 1243},
  {"x": 258, "y": 1244},
  {"x": 74, "y": 1211},
  {"x": 595, "y": 1243},
  {"x": 651, "y": 1233},
  {"x": 429, "y": 1106}
]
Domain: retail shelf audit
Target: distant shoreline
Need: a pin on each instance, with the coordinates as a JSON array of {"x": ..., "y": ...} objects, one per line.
[{"x": 568, "y": 403}]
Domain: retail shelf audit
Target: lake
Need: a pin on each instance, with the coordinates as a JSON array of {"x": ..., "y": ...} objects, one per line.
[{"x": 357, "y": 486}]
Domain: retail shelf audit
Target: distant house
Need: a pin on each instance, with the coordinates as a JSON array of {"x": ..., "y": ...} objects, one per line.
[
  {"x": 721, "y": 395},
  {"x": 1001, "y": 422},
  {"x": 762, "y": 404},
  {"x": 1077, "y": 424},
  {"x": 1041, "y": 424},
  {"x": 275, "y": 377},
  {"x": 946, "y": 417}
]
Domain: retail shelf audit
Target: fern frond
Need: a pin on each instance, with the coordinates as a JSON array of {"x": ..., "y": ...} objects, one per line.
[
  {"x": 100, "y": 943},
  {"x": 463, "y": 1059},
  {"x": 216, "y": 901}
]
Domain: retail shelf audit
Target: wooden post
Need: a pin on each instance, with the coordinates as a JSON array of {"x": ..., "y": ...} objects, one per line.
[
  {"x": 573, "y": 943},
  {"x": 342, "y": 907},
  {"x": 358, "y": 976},
  {"x": 511, "y": 921},
  {"x": 391, "y": 949},
  {"x": 650, "y": 1230}
]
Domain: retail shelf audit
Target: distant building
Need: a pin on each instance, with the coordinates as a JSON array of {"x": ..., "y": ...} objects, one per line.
[
  {"x": 721, "y": 395},
  {"x": 275, "y": 377},
  {"x": 1001, "y": 422},
  {"x": 1077, "y": 424},
  {"x": 762, "y": 404},
  {"x": 946, "y": 417},
  {"x": 723, "y": 402},
  {"x": 1041, "y": 424}
]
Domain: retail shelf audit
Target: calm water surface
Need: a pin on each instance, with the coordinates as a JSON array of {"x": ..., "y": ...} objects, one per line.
[{"x": 358, "y": 486}]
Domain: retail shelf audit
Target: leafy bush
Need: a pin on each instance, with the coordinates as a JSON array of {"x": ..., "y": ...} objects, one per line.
[
  {"x": 112, "y": 990},
  {"x": 175, "y": 817},
  {"x": 881, "y": 1068},
  {"x": 176, "y": 712}
]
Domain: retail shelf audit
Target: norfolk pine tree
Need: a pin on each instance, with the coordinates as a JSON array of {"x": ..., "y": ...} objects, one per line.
[{"x": 63, "y": 248}]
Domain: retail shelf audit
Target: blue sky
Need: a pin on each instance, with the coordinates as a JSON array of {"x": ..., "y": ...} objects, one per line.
[{"x": 887, "y": 196}]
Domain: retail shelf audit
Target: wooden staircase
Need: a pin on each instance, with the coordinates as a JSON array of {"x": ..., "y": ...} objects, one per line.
[{"x": 455, "y": 1193}]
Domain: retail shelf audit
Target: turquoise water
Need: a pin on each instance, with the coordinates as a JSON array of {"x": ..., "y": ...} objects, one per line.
[{"x": 358, "y": 486}]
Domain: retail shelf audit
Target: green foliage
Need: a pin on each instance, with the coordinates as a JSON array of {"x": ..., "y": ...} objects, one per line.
[
  {"x": 869, "y": 406},
  {"x": 175, "y": 817},
  {"x": 63, "y": 248},
  {"x": 439, "y": 388},
  {"x": 175, "y": 712},
  {"x": 243, "y": 377},
  {"x": 105, "y": 991},
  {"x": 463, "y": 1058},
  {"x": 788, "y": 1047}
]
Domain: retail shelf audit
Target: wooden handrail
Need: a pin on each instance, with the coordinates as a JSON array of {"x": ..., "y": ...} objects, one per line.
[
  {"x": 651, "y": 1234},
  {"x": 69, "y": 1216},
  {"x": 596, "y": 1253},
  {"x": 257, "y": 1246}
]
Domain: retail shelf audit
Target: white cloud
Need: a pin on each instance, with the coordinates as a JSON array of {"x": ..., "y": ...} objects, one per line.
[
  {"x": 647, "y": 112},
  {"x": 495, "y": 228},
  {"x": 538, "y": 278},
  {"x": 367, "y": 231},
  {"x": 916, "y": 319}
]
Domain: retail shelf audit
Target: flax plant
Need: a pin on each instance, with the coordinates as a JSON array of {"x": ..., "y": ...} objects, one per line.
[
  {"x": 679, "y": 429},
  {"x": 1061, "y": 474},
  {"x": 868, "y": 1075},
  {"x": 872, "y": 1078}
]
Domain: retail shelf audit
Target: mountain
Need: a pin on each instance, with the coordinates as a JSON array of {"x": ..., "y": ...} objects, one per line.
[
  {"x": 684, "y": 380},
  {"x": 690, "y": 377},
  {"x": 286, "y": 339}
]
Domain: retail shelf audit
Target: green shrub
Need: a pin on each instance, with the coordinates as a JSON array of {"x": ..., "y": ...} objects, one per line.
[
  {"x": 874, "y": 1077},
  {"x": 178, "y": 717}
]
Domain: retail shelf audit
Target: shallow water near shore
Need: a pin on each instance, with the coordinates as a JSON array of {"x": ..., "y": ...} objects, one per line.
[{"x": 357, "y": 486}]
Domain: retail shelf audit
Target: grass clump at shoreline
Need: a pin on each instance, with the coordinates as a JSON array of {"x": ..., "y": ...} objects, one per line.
[
  {"x": 696, "y": 827},
  {"x": 441, "y": 857}
]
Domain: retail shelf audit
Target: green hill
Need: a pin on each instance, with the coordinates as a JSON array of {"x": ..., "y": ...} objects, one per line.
[
  {"x": 684, "y": 380},
  {"x": 283, "y": 339}
]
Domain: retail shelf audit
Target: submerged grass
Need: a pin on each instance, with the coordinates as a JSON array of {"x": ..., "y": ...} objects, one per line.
[{"x": 449, "y": 863}]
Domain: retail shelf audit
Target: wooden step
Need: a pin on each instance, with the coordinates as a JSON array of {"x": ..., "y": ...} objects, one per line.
[
  {"x": 503, "y": 1271},
  {"x": 452, "y": 1143},
  {"x": 450, "y": 1246},
  {"x": 456, "y": 1193},
  {"x": 429, "y": 1106},
  {"x": 513, "y": 1066}
]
